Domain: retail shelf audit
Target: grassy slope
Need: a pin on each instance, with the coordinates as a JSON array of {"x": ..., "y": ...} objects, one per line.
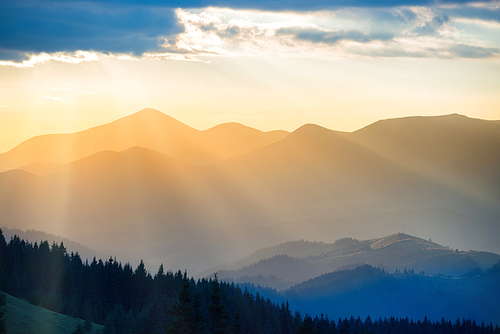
[{"x": 22, "y": 317}]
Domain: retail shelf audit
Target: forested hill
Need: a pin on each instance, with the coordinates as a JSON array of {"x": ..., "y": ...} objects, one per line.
[{"x": 127, "y": 300}]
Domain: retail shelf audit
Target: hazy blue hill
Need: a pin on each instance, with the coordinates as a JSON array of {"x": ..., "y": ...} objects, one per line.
[
  {"x": 394, "y": 252},
  {"x": 38, "y": 236},
  {"x": 299, "y": 249},
  {"x": 314, "y": 184},
  {"x": 288, "y": 269},
  {"x": 338, "y": 282},
  {"x": 368, "y": 291}
]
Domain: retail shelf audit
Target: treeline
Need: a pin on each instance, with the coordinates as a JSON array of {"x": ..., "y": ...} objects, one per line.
[{"x": 128, "y": 300}]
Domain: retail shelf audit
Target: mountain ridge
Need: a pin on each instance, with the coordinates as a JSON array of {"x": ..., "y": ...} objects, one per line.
[
  {"x": 148, "y": 128},
  {"x": 313, "y": 178},
  {"x": 396, "y": 252}
]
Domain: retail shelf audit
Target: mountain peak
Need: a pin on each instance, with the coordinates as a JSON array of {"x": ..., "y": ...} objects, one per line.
[
  {"x": 151, "y": 115},
  {"x": 313, "y": 132},
  {"x": 150, "y": 112},
  {"x": 310, "y": 128},
  {"x": 401, "y": 237}
]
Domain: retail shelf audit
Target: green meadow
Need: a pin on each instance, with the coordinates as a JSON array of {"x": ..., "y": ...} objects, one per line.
[{"x": 23, "y": 317}]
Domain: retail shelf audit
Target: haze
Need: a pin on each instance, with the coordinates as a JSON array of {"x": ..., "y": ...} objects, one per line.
[
  {"x": 148, "y": 186},
  {"x": 249, "y": 124}
]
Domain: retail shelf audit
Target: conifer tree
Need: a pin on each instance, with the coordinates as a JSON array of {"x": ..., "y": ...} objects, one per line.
[
  {"x": 182, "y": 314},
  {"x": 218, "y": 312}
]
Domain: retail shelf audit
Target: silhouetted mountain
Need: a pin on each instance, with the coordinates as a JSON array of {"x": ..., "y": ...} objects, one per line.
[
  {"x": 395, "y": 252},
  {"x": 138, "y": 202},
  {"x": 314, "y": 184},
  {"x": 125, "y": 300},
  {"x": 286, "y": 269},
  {"x": 459, "y": 151},
  {"x": 33, "y": 236},
  {"x": 148, "y": 128},
  {"x": 369, "y": 291}
]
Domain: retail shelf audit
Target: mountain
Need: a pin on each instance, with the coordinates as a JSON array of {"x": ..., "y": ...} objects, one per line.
[
  {"x": 136, "y": 202},
  {"x": 148, "y": 128},
  {"x": 195, "y": 211},
  {"x": 397, "y": 252},
  {"x": 459, "y": 151},
  {"x": 367, "y": 291},
  {"x": 37, "y": 236},
  {"x": 23, "y": 317}
]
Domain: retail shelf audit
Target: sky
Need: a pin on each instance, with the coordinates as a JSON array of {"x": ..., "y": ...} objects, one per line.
[{"x": 69, "y": 65}]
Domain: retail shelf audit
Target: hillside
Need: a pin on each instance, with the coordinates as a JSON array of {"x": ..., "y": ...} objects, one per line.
[
  {"x": 395, "y": 252},
  {"x": 369, "y": 291},
  {"x": 125, "y": 300},
  {"x": 459, "y": 151},
  {"x": 23, "y": 317},
  {"x": 315, "y": 184}
]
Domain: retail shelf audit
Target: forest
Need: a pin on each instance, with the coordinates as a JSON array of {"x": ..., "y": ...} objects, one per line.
[{"x": 128, "y": 300}]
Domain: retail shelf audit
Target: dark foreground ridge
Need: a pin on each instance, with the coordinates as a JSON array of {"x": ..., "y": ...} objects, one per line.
[{"x": 125, "y": 300}]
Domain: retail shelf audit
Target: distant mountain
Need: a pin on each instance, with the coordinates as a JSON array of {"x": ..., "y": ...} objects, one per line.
[
  {"x": 368, "y": 291},
  {"x": 137, "y": 202},
  {"x": 33, "y": 236},
  {"x": 298, "y": 250},
  {"x": 395, "y": 252},
  {"x": 459, "y": 151},
  {"x": 148, "y": 128},
  {"x": 145, "y": 186}
]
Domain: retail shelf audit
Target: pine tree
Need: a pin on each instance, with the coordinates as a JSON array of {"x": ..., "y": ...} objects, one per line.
[
  {"x": 306, "y": 326},
  {"x": 218, "y": 312},
  {"x": 182, "y": 314}
]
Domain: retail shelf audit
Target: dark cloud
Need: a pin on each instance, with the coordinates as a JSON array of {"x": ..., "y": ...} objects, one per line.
[
  {"x": 278, "y": 5},
  {"x": 314, "y": 35},
  {"x": 44, "y": 26},
  {"x": 138, "y": 26},
  {"x": 281, "y": 5},
  {"x": 482, "y": 13}
]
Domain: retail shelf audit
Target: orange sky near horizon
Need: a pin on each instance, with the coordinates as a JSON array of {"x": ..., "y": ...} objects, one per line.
[{"x": 263, "y": 92}]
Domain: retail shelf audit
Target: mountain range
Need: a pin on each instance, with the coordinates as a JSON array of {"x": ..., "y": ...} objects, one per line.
[
  {"x": 368, "y": 291},
  {"x": 148, "y": 186},
  {"x": 287, "y": 264},
  {"x": 148, "y": 128}
]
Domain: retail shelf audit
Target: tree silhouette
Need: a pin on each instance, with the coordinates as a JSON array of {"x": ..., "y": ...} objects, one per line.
[
  {"x": 218, "y": 312},
  {"x": 182, "y": 313}
]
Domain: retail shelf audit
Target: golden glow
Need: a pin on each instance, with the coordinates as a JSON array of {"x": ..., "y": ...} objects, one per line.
[{"x": 265, "y": 93}]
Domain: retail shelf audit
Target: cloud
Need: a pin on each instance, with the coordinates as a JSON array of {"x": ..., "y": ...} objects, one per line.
[
  {"x": 65, "y": 57},
  {"x": 486, "y": 12},
  {"x": 72, "y": 31},
  {"x": 287, "y": 5},
  {"x": 470, "y": 51},
  {"x": 432, "y": 27},
  {"x": 31, "y": 27},
  {"x": 315, "y": 35}
]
